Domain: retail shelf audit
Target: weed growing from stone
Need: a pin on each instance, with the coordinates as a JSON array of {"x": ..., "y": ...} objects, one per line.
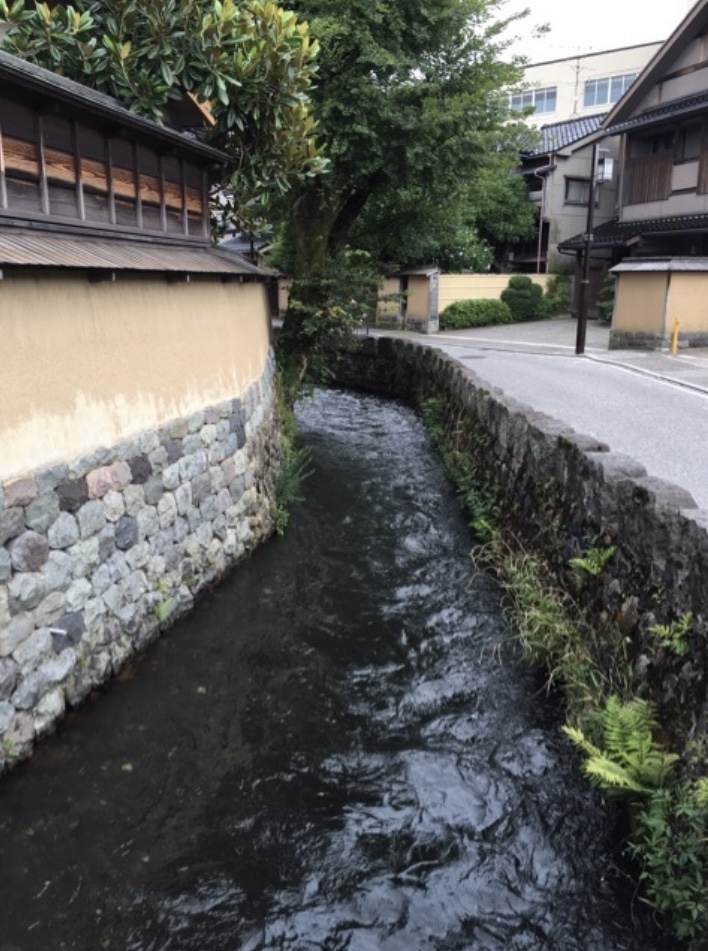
[
  {"x": 617, "y": 731},
  {"x": 295, "y": 468},
  {"x": 450, "y": 438},
  {"x": 675, "y": 635},
  {"x": 670, "y": 843},
  {"x": 593, "y": 561}
]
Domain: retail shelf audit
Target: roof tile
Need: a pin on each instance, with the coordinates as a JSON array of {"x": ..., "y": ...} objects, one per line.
[
  {"x": 559, "y": 135},
  {"x": 686, "y": 106},
  {"x": 616, "y": 234}
]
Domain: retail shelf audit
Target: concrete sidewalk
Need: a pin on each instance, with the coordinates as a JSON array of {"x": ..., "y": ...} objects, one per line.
[
  {"x": 689, "y": 368},
  {"x": 648, "y": 405}
]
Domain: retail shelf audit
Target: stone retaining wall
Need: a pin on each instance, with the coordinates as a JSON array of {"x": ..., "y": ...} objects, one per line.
[
  {"x": 563, "y": 493},
  {"x": 98, "y": 555}
]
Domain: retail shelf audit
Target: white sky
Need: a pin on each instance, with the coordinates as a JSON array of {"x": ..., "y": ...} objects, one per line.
[{"x": 583, "y": 26}]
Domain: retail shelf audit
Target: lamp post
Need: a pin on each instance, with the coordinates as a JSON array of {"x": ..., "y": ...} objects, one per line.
[
  {"x": 587, "y": 245},
  {"x": 539, "y": 246},
  {"x": 601, "y": 172}
]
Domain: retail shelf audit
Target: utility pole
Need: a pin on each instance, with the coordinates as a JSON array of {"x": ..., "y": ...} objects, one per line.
[{"x": 587, "y": 247}]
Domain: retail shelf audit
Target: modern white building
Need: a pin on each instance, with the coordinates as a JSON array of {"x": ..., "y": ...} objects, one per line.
[{"x": 579, "y": 86}]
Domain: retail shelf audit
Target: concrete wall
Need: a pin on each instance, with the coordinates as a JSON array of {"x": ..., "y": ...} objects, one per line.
[
  {"x": 561, "y": 493},
  {"x": 567, "y": 219},
  {"x": 569, "y": 76},
  {"x": 155, "y": 475}
]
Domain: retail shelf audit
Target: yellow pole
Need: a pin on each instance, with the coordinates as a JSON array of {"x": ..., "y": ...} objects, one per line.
[{"x": 674, "y": 337}]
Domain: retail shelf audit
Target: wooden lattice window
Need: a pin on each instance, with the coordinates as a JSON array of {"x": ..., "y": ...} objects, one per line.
[{"x": 55, "y": 166}]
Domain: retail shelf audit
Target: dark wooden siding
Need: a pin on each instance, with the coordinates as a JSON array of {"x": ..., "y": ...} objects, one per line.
[
  {"x": 703, "y": 170},
  {"x": 55, "y": 167},
  {"x": 648, "y": 178}
]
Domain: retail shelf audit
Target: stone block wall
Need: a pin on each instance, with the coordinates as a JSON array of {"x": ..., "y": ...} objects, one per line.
[
  {"x": 563, "y": 493},
  {"x": 98, "y": 555}
]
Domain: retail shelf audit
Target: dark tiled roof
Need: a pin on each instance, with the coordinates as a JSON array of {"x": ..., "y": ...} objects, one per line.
[
  {"x": 655, "y": 265},
  {"x": 616, "y": 234},
  {"x": 559, "y": 135},
  {"x": 678, "y": 107},
  {"x": 242, "y": 243}
]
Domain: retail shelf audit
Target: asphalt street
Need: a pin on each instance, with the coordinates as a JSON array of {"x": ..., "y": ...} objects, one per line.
[{"x": 650, "y": 406}]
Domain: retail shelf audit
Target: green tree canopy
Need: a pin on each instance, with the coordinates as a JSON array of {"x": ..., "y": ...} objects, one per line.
[
  {"x": 469, "y": 225},
  {"x": 408, "y": 98},
  {"x": 411, "y": 109},
  {"x": 252, "y": 62}
]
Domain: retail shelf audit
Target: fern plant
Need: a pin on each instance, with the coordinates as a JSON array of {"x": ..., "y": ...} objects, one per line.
[
  {"x": 675, "y": 635},
  {"x": 631, "y": 765},
  {"x": 593, "y": 561}
]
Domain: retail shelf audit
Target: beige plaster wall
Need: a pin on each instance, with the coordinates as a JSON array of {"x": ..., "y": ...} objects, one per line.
[
  {"x": 392, "y": 307},
  {"x": 454, "y": 287},
  {"x": 640, "y": 302},
  {"x": 86, "y": 365},
  {"x": 688, "y": 302},
  {"x": 418, "y": 297}
]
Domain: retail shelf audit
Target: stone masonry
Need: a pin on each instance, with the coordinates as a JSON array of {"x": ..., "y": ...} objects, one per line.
[
  {"x": 562, "y": 493},
  {"x": 100, "y": 554}
]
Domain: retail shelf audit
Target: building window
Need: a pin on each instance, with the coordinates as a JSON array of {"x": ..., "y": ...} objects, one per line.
[
  {"x": 540, "y": 100},
  {"x": 603, "y": 92},
  {"x": 688, "y": 143},
  {"x": 577, "y": 191}
]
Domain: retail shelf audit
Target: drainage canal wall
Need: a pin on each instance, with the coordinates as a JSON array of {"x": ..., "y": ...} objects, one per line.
[
  {"x": 155, "y": 439},
  {"x": 562, "y": 494}
]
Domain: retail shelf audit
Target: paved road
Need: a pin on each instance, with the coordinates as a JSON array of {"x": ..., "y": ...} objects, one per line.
[{"x": 649, "y": 406}]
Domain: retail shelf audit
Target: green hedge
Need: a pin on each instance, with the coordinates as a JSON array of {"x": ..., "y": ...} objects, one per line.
[{"x": 474, "y": 313}]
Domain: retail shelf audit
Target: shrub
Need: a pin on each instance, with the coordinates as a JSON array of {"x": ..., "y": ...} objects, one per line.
[
  {"x": 524, "y": 298},
  {"x": 672, "y": 832},
  {"x": 606, "y": 298},
  {"x": 474, "y": 313},
  {"x": 557, "y": 297}
]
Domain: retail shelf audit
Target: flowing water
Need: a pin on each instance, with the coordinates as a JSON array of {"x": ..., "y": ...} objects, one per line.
[{"x": 339, "y": 749}]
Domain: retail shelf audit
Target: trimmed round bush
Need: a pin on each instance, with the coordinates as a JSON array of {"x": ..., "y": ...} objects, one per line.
[
  {"x": 474, "y": 313},
  {"x": 524, "y": 298}
]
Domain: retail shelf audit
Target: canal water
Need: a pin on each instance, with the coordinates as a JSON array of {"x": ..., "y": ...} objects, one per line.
[{"x": 338, "y": 750}]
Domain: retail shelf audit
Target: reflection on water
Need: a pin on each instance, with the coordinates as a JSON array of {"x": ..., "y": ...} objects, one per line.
[{"x": 338, "y": 749}]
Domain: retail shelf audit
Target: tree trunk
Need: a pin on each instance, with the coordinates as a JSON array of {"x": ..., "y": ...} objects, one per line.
[
  {"x": 320, "y": 223},
  {"x": 312, "y": 216}
]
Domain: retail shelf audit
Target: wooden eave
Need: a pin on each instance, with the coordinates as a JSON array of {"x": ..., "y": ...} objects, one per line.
[
  {"x": 695, "y": 23},
  {"x": 41, "y": 250}
]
